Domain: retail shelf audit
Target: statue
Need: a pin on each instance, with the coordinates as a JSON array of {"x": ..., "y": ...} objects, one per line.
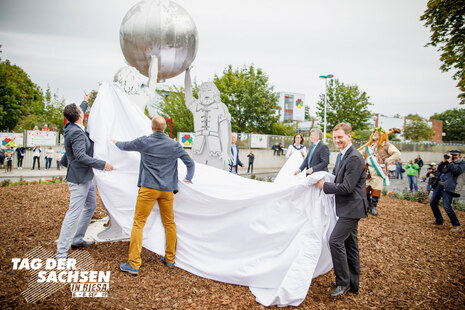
[
  {"x": 159, "y": 40},
  {"x": 212, "y": 125}
]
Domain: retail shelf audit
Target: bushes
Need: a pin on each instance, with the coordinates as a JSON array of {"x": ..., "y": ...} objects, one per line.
[
  {"x": 21, "y": 182},
  {"x": 422, "y": 197}
]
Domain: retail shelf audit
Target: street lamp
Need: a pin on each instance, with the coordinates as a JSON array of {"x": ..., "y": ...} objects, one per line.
[{"x": 326, "y": 77}]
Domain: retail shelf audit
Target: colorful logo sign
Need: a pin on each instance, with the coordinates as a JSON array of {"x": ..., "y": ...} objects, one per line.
[
  {"x": 299, "y": 103},
  {"x": 186, "y": 140}
]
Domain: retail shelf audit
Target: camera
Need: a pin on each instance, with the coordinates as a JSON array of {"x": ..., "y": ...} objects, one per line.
[{"x": 446, "y": 156}]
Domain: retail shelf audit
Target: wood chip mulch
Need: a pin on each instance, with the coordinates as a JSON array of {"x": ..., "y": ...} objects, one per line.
[{"x": 405, "y": 263}]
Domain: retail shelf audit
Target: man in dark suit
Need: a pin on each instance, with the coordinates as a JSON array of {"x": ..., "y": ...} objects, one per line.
[
  {"x": 235, "y": 161},
  {"x": 79, "y": 161},
  {"x": 351, "y": 206},
  {"x": 318, "y": 157}
]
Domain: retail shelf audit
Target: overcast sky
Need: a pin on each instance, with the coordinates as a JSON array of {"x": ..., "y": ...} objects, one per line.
[{"x": 377, "y": 45}]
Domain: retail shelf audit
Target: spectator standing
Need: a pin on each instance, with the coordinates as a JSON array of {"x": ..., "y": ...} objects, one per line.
[
  {"x": 21, "y": 151},
  {"x": 451, "y": 171},
  {"x": 58, "y": 156},
  {"x": 399, "y": 169},
  {"x": 45, "y": 128},
  {"x": 2, "y": 158},
  {"x": 49, "y": 158},
  {"x": 36, "y": 156},
  {"x": 412, "y": 172},
  {"x": 9, "y": 158},
  {"x": 251, "y": 157},
  {"x": 419, "y": 162},
  {"x": 35, "y": 128}
]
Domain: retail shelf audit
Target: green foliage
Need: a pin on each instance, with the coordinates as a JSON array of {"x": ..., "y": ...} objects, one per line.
[
  {"x": 458, "y": 205},
  {"x": 453, "y": 124},
  {"x": 19, "y": 96},
  {"x": 345, "y": 103},
  {"x": 384, "y": 191},
  {"x": 249, "y": 98},
  {"x": 283, "y": 129},
  {"x": 396, "y": 195},
  {"x": 51, "y": 114},
  {"x": 173, "y": 106},
  {"x": 417, "y": 129},
  {"x": 446, "y": 18}
]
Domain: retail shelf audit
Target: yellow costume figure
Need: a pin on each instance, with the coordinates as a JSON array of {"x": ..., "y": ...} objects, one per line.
[{"x": 378, "y": 154}]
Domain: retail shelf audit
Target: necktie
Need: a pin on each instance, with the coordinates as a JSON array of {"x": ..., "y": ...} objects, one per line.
[
  {"x": 338, "y": 161},
  {"x": 310, "y": 156}
]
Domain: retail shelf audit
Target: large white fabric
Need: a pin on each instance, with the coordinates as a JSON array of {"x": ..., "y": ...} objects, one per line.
[{"x": 272, "y": 237}]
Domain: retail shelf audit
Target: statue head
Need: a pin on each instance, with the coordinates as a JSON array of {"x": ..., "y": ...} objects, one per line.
[
  {"x": 209, "y": 93},
  {"x": 130, "y": 80}
]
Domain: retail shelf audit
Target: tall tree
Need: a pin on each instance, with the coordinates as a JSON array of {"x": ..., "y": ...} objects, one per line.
[
  {"x": 19, "y": 96},
  {"x": 446, "y": 18},
  {"x": 173, "y": 106},
  {"x": 453, "y": 124},
  {"x": 249, "y": 98},
  {"x": 345, "y": 103},
  {"x": 417, "y": 128}
]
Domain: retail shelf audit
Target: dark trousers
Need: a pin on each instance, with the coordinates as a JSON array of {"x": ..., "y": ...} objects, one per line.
[
  {"x": 34, "y": 162},
  {"x": 20, "y": 161},
  {"x": 446, "y": 202},
  {"x": 250, "y": 168},
  {"x": 58, "y": 165},
  {"x": 343, "y": 244},
  {"x": 48, "y": 162}
]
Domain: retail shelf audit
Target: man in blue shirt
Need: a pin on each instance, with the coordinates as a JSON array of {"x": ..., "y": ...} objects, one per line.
[{"x": 158, "y": 181}]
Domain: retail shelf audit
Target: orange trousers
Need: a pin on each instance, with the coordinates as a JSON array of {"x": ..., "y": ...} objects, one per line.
[{"x": 145, "y": 203}]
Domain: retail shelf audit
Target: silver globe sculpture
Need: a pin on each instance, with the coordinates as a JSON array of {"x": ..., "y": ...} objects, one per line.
[{"x": 161, "y": 28}]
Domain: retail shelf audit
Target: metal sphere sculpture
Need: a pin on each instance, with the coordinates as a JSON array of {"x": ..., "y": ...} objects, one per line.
[{"x": 161, "y": 28}]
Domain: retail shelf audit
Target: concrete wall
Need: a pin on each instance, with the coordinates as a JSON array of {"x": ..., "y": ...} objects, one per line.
[{"x": 264, "y": 158}]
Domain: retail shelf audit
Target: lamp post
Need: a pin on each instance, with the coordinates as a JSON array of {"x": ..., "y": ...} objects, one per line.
[{"x": 326, "y": 77}]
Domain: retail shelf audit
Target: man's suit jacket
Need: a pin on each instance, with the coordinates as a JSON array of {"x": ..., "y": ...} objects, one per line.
[
  {"x": 79, "y": 153},
  {"x": 319, "y": 160},
  {"x": 238, "y": 161},
  {"x": 349, "y": 186}
]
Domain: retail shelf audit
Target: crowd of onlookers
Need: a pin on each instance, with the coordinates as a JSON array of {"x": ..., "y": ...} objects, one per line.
[{"x": 10, "y": 153}]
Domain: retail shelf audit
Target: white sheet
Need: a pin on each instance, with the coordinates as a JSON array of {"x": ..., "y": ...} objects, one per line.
[{"x": 272, "y": 237}]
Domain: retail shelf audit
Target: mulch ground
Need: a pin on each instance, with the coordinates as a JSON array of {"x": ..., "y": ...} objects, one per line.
[{"x": 405, "y": 263}]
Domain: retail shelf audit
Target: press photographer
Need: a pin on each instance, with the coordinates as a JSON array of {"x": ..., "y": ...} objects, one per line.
[{"x": 448, "y": 186}]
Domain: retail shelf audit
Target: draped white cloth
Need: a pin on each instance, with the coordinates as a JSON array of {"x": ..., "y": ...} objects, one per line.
[{"x": 272, "y": 237}]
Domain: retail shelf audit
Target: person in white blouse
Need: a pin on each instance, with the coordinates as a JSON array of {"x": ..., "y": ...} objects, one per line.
[{"x": 297, "y": 146}]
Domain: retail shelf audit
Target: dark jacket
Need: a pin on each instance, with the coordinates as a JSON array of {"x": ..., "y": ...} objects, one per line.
[
  {"x": 319, "y": 160},
  {"x": 448, "y": 172},
  {"x": 251, "y": 158},
  {"x": 349, "y": 186},
  {"x": 79, "y": 153},
  {"x": 238, "y": 161},
  {"x": 159, "y": 161}
]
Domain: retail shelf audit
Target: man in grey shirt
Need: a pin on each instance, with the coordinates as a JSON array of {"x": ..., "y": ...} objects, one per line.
[{"x": 158, "y": 181}]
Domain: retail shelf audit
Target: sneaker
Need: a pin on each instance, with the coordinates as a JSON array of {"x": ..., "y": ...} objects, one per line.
[
  {"x": 166, "y": 263},
  {"x": 82, "y": 244},
  {"x": 127, "y": 268},
  {"x": 456, "y": 228}
]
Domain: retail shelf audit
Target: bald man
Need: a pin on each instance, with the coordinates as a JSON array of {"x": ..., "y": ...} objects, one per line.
[{"x": 158, "y": 182}]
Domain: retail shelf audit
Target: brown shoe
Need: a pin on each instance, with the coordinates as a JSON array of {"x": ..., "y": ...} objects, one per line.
[{"x": 456, "y": 228}]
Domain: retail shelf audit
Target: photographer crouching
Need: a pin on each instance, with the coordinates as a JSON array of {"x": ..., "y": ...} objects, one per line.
[{"x": 449, "y": 170}]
